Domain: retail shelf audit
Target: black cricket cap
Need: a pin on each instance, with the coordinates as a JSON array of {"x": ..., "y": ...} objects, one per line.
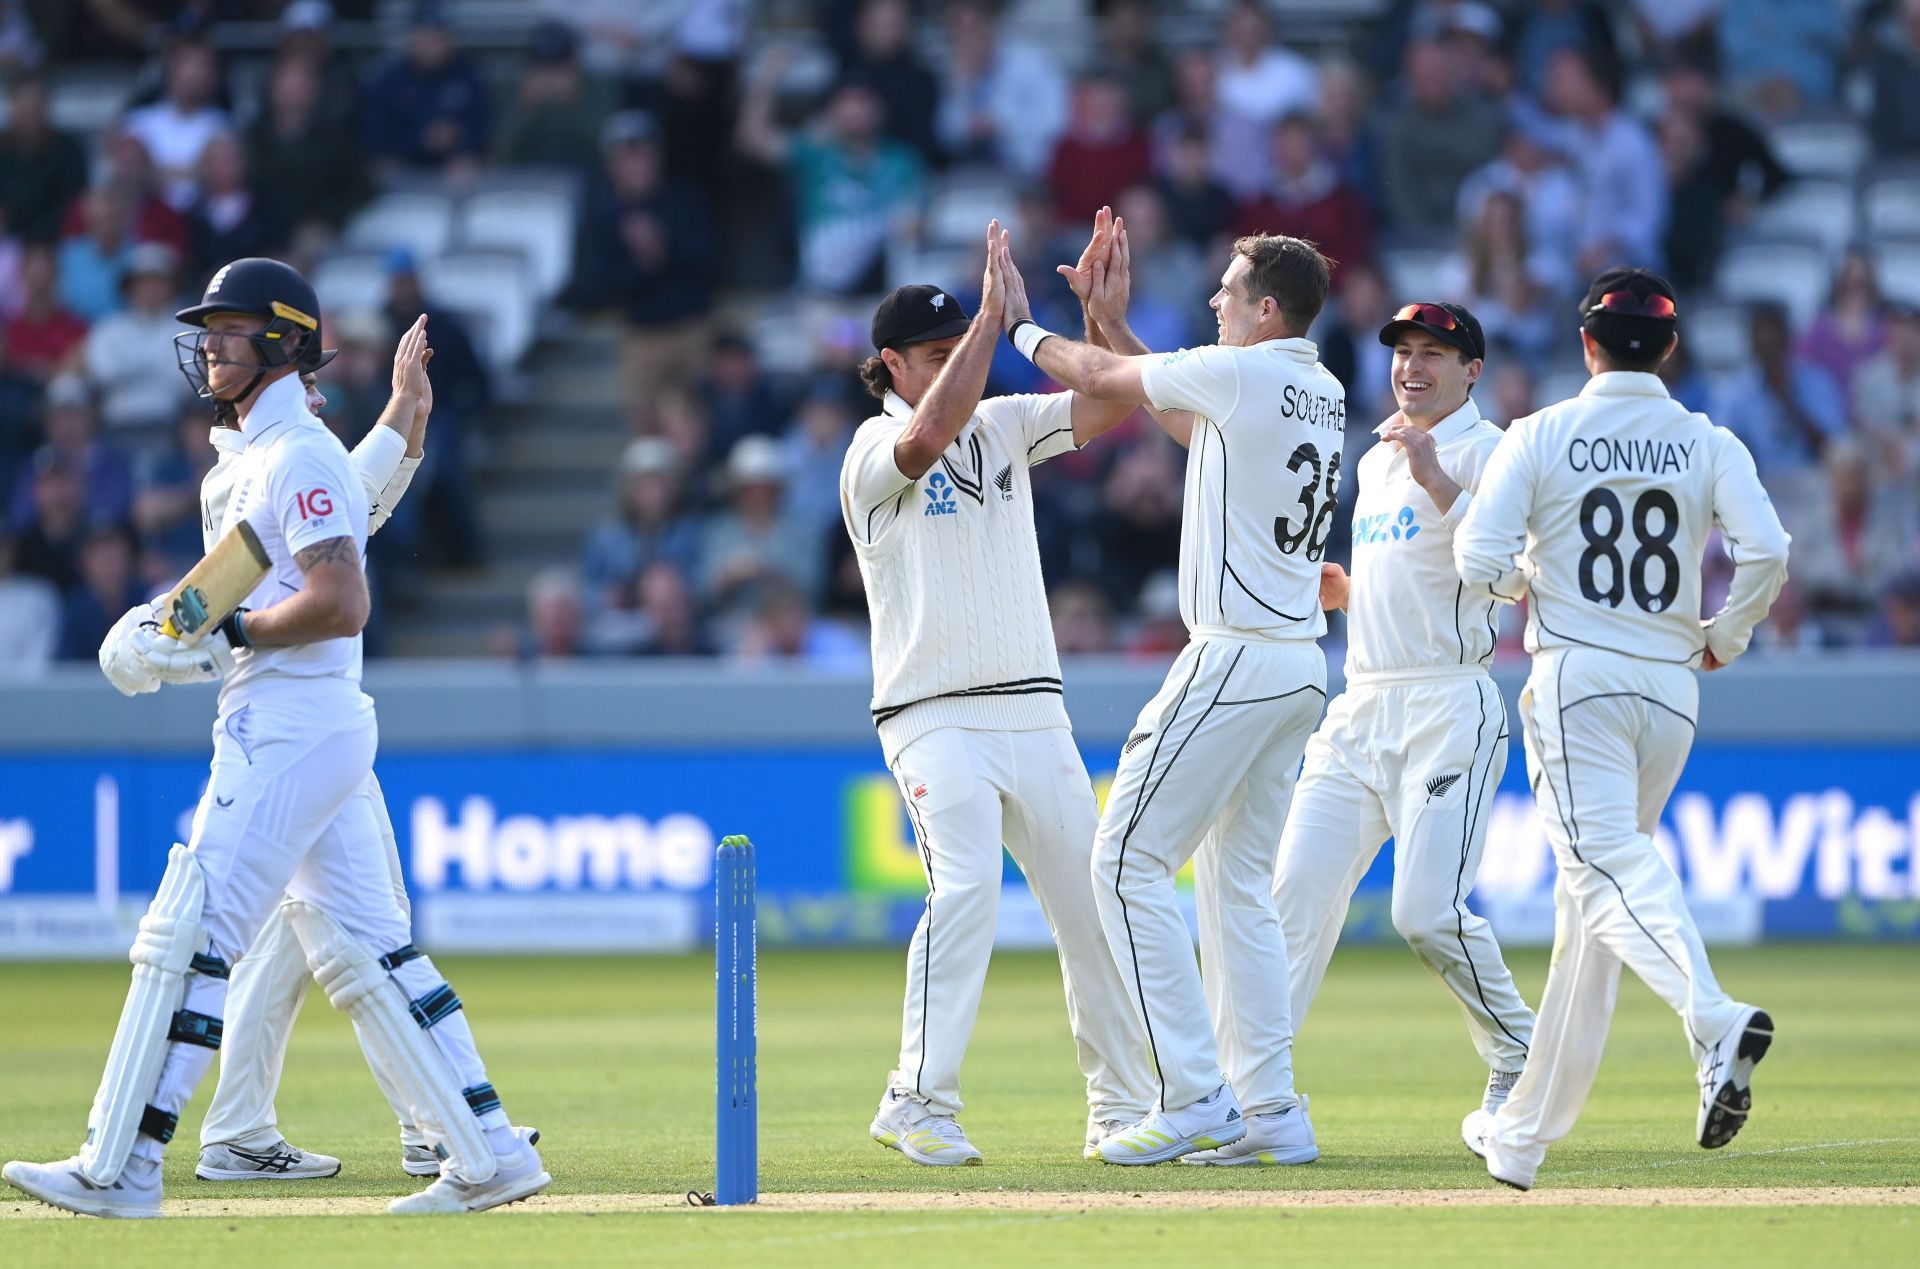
[
  {"x": 1630, "y": 312},
  {"x": 1463, "y": 331},
  {"x": 917, "y": 314}
]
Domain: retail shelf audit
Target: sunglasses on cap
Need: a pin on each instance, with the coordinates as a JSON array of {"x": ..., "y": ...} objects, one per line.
[
  {"x": 1428, "y": 315},
  {"x": 1628, "y": 304}
]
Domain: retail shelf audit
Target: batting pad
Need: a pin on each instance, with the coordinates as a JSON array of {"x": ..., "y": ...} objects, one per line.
[
  {"x": 393, "y": 1034},
  {"x": 170, "y": 935}
]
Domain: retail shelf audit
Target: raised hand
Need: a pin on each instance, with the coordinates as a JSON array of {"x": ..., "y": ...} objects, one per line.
[
  {"x": 410, "y": 362},
  {"x": 1017, "y": 307},
  {"x": 993, "y": 286},
  {"x": 1112, "y": 281},
  {"x": 1080, "y": 276}
]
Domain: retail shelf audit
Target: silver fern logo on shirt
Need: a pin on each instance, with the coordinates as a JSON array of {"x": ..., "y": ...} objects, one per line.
[
  {"x": 940, "y": 501},
  {"x": 1004, "y": 483}
]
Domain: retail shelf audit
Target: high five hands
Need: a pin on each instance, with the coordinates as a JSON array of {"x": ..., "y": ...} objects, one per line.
[{"x": 1101, "y": 280}]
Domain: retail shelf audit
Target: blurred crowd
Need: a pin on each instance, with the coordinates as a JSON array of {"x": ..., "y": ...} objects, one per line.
[{"x": 753, "y": 177}]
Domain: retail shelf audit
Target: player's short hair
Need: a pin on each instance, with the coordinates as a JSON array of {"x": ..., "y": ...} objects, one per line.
[{"x": 1291, "y": 270}]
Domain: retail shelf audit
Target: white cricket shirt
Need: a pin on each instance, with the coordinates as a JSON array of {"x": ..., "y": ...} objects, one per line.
[
  {"x": 296, "y": 487},
  {"x": 1263, "y": 479},
  {"x": 1599, "y": 508},
  {"x": 961, "y": 632},
  {"x": 1407, "y": 609},
  {"x": 380, "y": 458}
]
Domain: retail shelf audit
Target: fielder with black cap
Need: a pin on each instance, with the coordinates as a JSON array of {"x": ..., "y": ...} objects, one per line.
[
  {"x": 935, "y": 494},
  {"x": 285, "y": 817},
  {"x": 1597, "y": 511},
  {"x": 1416, "y": 745}
]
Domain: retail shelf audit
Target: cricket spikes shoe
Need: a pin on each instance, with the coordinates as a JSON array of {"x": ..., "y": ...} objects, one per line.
[
  {"x": 134, "y": 1195},
  {"x": 1499, "y": 1088},
  {"x": 1506, "y": 1165},
  {"x": 1278, "y": 1138},
  {"x": 906, "y": 1124},
  {"x": 1210, "y": 1123},
  {"x": 417, "y": 1158},
  {"x": 517, "y": 1175},
  {"x": 1098, "y": 1130},
  {"x": 274, "y": 1161},
  {"x": 1726, "y": 1074}
]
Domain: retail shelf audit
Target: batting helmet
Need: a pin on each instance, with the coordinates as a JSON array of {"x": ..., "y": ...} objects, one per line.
[{"x": 261, "y": 288}]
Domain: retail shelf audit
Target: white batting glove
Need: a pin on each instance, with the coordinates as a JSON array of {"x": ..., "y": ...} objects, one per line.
[
  {"x": 118, "y": 660},
  {"x": 171, "y": 661}
]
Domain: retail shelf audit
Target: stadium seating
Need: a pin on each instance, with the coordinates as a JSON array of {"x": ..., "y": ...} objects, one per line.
[
  {"x": 1796, "y": 276},
  {"x": 1716, "y": 335},
  {"x": 1815, "y": 211},
  {"x": 496, "y": 285},
  {"x": 1834, "y": 148},
  {"x": 1891, "y": 207},
  {"x": 537, "y": 223},
  {"x": 418, "y": 221}
]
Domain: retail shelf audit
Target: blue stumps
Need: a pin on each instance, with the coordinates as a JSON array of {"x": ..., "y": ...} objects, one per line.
[{"x": 736, "y": 1019}]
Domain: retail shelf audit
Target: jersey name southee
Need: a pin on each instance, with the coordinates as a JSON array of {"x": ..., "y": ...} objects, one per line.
[{"x": 1315, "y": 409}]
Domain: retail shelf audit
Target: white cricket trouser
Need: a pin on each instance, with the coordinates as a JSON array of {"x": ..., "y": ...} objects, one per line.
[
  {"x": 967, "y": 791},
  {"x": 1207, "y": 774},
  {"x": 1415, "y": 757},
  {"x": 264, "y": 997},
  {"x": 1606, "y": 737}
]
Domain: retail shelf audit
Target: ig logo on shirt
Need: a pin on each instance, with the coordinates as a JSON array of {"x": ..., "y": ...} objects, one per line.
[{"x": 940, "y": 501}]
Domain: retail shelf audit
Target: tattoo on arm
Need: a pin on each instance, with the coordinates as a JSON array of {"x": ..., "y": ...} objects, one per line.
[{"x": 339, "y": 550}]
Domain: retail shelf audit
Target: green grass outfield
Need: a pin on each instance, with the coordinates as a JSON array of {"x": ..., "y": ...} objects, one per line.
[{"x": 612, "y": 1059}]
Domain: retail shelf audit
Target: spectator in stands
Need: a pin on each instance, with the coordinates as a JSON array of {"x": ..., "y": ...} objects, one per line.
[
  {"x": 1346, "y": 127},
  {"x": 1786, "y": 410},
  {"x": 737, "y": 397},
  {"x": 128, "y": 167},
  {"x": 442, "y": 487},
  {"x": 1082, "y": 620},
  {"x": 306, "y": 38},
  {"x": 1852, "y": 328},
  {"x": 1899, "y": 622},
  {"x": 812, "y": 451},
  {"x": 46, "y": 543},
  {"x": 558, "y": 110},
  {"x": 1137, "y": 521},
  {"x": 42, "y": 169},
  {"x": 1198, "y": 206},
  {"x": 649, "y": 528},
  {"x": 20, "y": 407},
  {"x": 1686, "y": 382},
  {"x": 1494, "y": 273},
  {"x": 1677, "y": 30},
  {"x": 30, "y": 608},
  {"x": 646, "y": 244},
  {"x": 1510, "y": 391},
  {"x": 752, "y": 544},
  {"x": 876, "y": 49},
  {"x": 1306, "y": 198},
  {"x": 1260, "y": 78},
  {"x": 1350, "y": 347},
  {"x": 1623, "y": 185},
  {"x": 1697, "y": 213},
  {"x": 1128, "y": 48},
  {"x": 1172, "y": 278},
  {"x": 782, "y": 627},
  {"x": 1433, "y": 140},
  {"x": 1101, "y": 152},
  {"x": 1530, "y": 169},
  {"x": 177, "y": 127},
  {"x": 669, "y": 616},
  {"x": 1004, "y": 101},
  {"x": 855, "y": 188},
  {"x": 554, "y": 619},
  {"x": 1782, "y": 57},
  {"x": 1886, "y": 393},
  {"x": 166, "y": 498},
  {"x": 1548, "y": 26},
  {"x": 73, "y": 442},
  {"x": 231, "y": 219},
  {"x": 1894, "y": 70},
  {"x": 306, "y": 155},
  {"x": 44, "y": 333},
  {"x": 429, "y": 108},
  {"x": 107, "y": 588},
  {"x": 130, "y": 356},
  {"x": 1851, "y": 537},
  {"x": 93, "y": 262},
  {"x": 1740, "y": 162}
]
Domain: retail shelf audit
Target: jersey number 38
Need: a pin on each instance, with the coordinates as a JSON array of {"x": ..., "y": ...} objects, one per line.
[
  {"x": 1317, "y": 501},
  {"x": 1601, "y": 523}
]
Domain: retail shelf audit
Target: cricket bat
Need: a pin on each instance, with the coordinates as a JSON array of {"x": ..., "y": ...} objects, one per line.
[{"x": 214, "y": 587}]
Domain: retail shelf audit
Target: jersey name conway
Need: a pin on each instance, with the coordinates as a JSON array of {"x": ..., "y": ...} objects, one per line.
[
  {"x": 1263, "y": 475},
  {"x": 1407, "y": 608},
  {"x": 1611, "y": 496},
  {"x": 296, "y": 487},
  {"x": 961, "y": 632}
]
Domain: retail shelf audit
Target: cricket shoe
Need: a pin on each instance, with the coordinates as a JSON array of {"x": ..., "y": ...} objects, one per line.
[
  {"x": 1098, "y": 1130},
  {"x": 275, "y": 1161},
  {"x": 1277, "y": 1138},
  {"x": 417, "y": 1158},
  {"x": 905, "y": 1124},
  {"x": 134, "y": 1195},
  {"x": 1506, "y": 1166},
  {"x": 517, "y": 1175},
  {"x": 1726, "y": 1074},
  {"x": 1499, "y": 1088},
  {"x": 1210, "y": 1123}
]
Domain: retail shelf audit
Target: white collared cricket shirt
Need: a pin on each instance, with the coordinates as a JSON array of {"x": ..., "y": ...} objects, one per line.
[
  {"x": 1407, "y": 608},
  {"x": 1263, "y": 478},
  {"x": 1599, "y": 507},
  {"x": 961, "y": 632}
]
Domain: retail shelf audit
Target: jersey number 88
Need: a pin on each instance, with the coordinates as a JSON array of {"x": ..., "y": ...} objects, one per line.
[{"x": 1654, "y": 545}]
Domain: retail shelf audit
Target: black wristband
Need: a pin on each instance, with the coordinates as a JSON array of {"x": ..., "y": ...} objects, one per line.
[
  {"x": 1015, "y": 329},
  {"x": 235, "y": 628}
]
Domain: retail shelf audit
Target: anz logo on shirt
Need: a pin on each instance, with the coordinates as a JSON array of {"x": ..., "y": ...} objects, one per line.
[
  {"x": 940, "y": 500},
  {"x": 1385, "y": 527}
]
